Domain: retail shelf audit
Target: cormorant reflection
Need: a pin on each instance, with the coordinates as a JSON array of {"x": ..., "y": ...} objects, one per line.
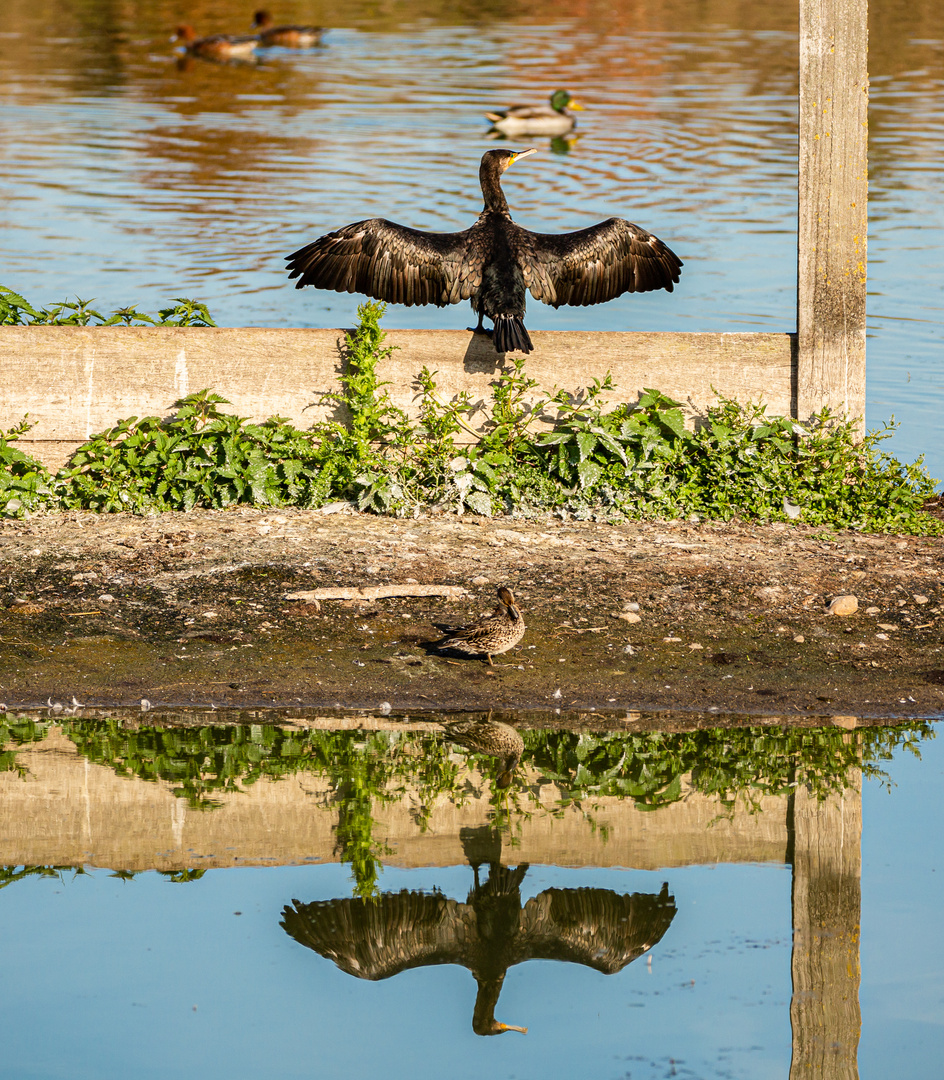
[{"x": 376, "y": 938}]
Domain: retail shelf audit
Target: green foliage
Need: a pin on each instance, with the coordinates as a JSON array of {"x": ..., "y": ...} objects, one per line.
[
  {"x": 16, "y": 311},
  {"x": 198, "y": 457},
  {"x": 603, "y": 460},
  {"x": 24, "y": 482}
]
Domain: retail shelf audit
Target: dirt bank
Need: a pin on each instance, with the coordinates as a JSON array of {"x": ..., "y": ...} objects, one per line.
[{"x": 193, "y": 609}]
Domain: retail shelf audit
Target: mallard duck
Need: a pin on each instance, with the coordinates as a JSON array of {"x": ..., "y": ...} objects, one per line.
[
  {"x": 290, "y": 37},
  {"x": 496, "y": 634},
  {"x": 493, "y": 264},
  {"x": 216, "y": 46},
  {"x": 488, "y": 736},
  {"x": 550, "y": 119}
]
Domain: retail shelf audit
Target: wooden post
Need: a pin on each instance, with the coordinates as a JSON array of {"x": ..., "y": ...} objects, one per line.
[{"x": 833, "y": 210}]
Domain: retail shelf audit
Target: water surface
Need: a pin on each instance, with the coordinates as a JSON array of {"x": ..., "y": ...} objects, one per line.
[{"x": 180, "y": 950}]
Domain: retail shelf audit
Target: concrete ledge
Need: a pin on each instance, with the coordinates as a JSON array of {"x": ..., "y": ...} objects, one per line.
[{"x": 76, "y": 381}]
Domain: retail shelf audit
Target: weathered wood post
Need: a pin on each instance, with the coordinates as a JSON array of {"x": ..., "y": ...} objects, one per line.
[
  {"x": 833, "y": 211},
  {"x": 826, "y": 838}
]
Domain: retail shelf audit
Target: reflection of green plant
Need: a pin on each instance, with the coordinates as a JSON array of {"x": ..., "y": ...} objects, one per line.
[
  {"x": 724, "y": 763},
  {"x": 368, "y": 769},
  {"x": 16, "y": 731},
  {"x": 201, "y": 762},
  {"x": 380, "y": 767},
  {"x": 10, "y": 875}
]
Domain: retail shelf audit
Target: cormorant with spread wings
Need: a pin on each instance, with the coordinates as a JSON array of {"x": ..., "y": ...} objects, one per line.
[
  {"x": 381, "y": 936},
  {"x": 494, "y": 264}
]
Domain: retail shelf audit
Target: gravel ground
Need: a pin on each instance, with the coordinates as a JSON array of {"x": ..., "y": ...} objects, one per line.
[{"x": 196, "y": 609}]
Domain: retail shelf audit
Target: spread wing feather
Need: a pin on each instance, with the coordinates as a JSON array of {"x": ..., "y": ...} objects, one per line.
[
  {"x": 390, "y": 262},
  {"x": 596, "y": 264}
]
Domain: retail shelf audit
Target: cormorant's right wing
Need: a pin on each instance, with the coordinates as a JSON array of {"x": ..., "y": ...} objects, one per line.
[{"x": 389, "y": 262}]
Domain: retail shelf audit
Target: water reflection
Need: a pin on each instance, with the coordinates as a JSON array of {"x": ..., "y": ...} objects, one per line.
[
  {"x": 758, "y": 830},
  {"x": 488, "y": 736},
  {"x": 492, "y": 931}
]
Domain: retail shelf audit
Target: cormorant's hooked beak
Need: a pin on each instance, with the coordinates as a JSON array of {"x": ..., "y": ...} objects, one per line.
[
  {"x": 523, "y": 153},
  {"x": 512, "y": 1027}
]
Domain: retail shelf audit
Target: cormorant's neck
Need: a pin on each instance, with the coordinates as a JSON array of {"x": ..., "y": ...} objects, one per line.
[{"x": 490, "y": 179}]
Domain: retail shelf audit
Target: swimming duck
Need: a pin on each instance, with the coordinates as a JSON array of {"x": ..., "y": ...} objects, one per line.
[
  {"x": 551, "y": 119},
  {"x": 290, "y": 37},
  {"x": 496, "y": 634},
  {"x": 216, "y": 46}
]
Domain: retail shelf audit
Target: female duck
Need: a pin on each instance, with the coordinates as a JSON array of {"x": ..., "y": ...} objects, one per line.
[
  {"x": 489, "y": 637},
  {"x": 289, "y": 37},
  {"x": 216, "y": 46}
]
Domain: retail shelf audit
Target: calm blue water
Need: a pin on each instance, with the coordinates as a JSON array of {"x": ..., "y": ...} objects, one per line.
[
  {"x": 108, "y": 978},
  {"x": 131, "y": 180}
]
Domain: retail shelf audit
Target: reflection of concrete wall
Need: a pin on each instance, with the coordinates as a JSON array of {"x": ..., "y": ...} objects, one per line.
[{"x": 67, "y": 812}]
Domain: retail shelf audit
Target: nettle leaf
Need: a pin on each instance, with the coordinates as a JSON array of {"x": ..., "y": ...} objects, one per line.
[
  {"x": 586, "y": 443},
  {"x": 480, "y": 502},
  {"x": 589, "y": 473}
]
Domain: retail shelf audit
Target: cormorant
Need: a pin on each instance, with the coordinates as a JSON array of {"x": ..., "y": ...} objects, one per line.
[
  {"x": 493, "y": 264},
  {"x": 492, "y": 931},
  {"x": 550, "y": 119}
]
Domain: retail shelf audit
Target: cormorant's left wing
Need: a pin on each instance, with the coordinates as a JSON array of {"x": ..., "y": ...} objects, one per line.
[{"x": 595, "y": 264}]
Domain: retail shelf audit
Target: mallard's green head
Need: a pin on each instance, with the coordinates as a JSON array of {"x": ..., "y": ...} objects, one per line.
[{"x": 560, "y": 100}]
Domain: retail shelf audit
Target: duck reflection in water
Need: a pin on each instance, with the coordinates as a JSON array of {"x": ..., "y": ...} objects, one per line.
[
  {"x": 492, "y": 931},
  {"x": 488, "y": 736}
]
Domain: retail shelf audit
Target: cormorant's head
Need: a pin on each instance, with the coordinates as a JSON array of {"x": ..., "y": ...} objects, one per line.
[
  {"x": 495, "y": 162},
  {"x": 561, "y": 100}
]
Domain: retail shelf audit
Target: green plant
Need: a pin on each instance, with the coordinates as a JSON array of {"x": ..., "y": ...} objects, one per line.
[
  {"x": 24, "y": 482},
  {"x": 198, "y": 457},
  {"x": 16, "y": 311},
  {"x": 609, "y": 461}
]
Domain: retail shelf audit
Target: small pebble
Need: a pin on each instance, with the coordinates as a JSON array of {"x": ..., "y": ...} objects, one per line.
[
  {"x": 843, "y": 605},
  {"x": 106, "y": 598},
  {"x": 629, "y": 616},
  {"x": 385, "y": 708},
  {"x": 799, "y": 638},
  {"x": 882, "y": 637},
  {"x": 887, "y": 626},
  {"x": 872, "y": 610},
  {"x": 920, "y": 599},
  {"x": 480, "y": 580}
]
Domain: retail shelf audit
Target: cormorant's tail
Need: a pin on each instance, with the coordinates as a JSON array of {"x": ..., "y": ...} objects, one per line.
[{"x": 510, "y": 335}]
